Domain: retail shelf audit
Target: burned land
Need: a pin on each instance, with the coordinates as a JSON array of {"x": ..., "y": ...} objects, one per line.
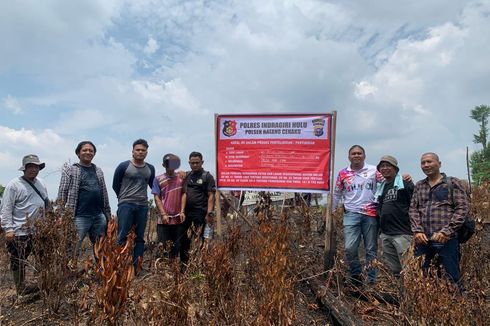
[{"x": 268, "y": 270}]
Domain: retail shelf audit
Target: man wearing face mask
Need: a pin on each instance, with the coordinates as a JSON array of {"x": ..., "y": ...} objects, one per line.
[{"x": 24, "y": 198}]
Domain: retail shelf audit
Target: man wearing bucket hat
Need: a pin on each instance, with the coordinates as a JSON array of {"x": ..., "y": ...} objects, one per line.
[
  {"x": 170, "y": 198},
  {"x": 24, "y": 198},
  {"x": 393, "y": 195}
]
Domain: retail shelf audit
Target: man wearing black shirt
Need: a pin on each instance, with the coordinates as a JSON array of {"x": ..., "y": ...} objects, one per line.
[
  {"x": 199, "y": 208},
  {"x": 393, "y": 196}
]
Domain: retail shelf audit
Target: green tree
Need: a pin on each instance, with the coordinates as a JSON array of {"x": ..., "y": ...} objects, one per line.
[
  {"x": 480, "y": 160},
  {"x": 2, "y": 188}
]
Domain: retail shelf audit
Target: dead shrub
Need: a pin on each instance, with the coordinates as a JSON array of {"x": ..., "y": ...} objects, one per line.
[
  {"x": 53, "y": 238},
  {"x": 116, "y": 272}
]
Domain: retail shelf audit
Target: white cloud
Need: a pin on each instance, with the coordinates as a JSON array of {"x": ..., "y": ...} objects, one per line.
[
  {"x": 28, "y": 137},
  {"x": 151, "y": 46},
  {"x": 403, "y": 76},
  {"x": 12, "y": 104}
]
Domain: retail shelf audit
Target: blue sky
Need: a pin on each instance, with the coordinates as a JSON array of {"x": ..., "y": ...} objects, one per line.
[{"x": 403, "y": 75}]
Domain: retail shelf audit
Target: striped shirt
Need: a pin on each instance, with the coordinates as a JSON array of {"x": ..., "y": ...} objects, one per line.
[
  {"x": 431, "y": 209},
  {"x": 170, "y": 190}
]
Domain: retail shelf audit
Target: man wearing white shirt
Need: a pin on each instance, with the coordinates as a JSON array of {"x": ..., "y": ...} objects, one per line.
[
  {"x": 356, "y": 186},
  {"x": 24, "y": 198}
]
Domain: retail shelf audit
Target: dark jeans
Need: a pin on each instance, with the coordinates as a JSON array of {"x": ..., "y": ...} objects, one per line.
[
  {"x": 173, "y": 233},
  {"x": 128, "y": 216},
  {"x": 448, "y": 257},
  {"x": 19, "y": 251}
]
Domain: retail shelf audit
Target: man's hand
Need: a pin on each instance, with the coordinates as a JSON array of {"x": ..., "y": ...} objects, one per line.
[
  {"x": 407, "y": 177},
  {"x": 10, "y": 236},
  {"x": 165, "y": 218},
  {"x": 182, "y": 216},
  {"x": 420, "y": 238},
  {"x": 440, "y": 237}
]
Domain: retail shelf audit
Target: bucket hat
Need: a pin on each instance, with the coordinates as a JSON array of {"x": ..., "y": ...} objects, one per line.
[{"x": 31, "y": 159}]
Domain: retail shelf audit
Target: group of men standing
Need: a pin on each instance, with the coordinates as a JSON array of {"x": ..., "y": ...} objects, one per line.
[
  {"x": 375, "y": 198},
  {"x": 184, "y": 201},
  {"x": 380, "y": 200}
]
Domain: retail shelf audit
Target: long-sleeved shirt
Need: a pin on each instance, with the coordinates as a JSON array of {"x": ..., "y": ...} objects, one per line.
[
  {"x": 70, "y": 187},
  {"x": 130, "y": 182},
  {"x": 21, "y": 202},
  {"x": 357, "y": 189},
  {"x": 432, "y": 210}
]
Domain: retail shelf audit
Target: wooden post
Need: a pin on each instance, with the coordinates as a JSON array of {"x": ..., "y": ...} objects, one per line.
[
  {"x": 330, "y": 248},
  {"x": 217, "y": 209},
  {"x": 239, "y": 214}
]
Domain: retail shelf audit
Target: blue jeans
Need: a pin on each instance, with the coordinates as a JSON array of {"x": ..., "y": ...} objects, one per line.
[
  {"x": 448, "y": 257},
  {"x": 355, "y": 225},
  {"x": 94, "y": 225},
  {"x": 129, "y": 215}
]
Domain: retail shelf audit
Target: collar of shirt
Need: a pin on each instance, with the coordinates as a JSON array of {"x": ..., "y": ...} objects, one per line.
[{"x": 364, "y": 168}]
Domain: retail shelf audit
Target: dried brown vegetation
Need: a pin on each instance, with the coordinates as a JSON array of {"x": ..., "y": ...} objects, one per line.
[
  {"x": 115, "y": 271},
  {"x": 53, "y": 237},
  {"x": 250, "y": 276}
]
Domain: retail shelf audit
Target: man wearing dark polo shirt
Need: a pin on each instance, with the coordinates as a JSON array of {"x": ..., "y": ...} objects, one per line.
[{"x": 199, "y": 209}]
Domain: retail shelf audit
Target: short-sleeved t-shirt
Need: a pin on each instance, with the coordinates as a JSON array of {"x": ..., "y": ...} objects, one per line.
[
  {"x": 170, "y": 190},
  {"x": 393, "y": 209},
  {"x": 198, "y": 185},
  {"x": 90, "y": 200}
]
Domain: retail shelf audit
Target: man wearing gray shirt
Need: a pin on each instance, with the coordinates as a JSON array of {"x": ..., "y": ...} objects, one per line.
[
  {"x": 130, "y": 183},
  {"x": 24, "y": 198}
]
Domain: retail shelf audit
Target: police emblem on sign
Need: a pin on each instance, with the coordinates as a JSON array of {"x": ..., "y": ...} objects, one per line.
[
  {"x": 318, "y": 125},
  {"x": 229, "y": 128}
]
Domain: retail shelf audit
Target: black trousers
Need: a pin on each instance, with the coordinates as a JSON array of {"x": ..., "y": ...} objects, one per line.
[
  {"x": 19, "y": 251},
  {"x": 193, "y": 228},
  {"x": 173, "y": 233}
]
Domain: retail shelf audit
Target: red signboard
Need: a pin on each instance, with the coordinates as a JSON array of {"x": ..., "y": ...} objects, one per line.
[{"x": 274, "y": 152}]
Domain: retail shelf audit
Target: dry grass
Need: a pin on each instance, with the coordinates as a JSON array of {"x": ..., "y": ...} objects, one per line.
[{"x": 250, "y": 276}]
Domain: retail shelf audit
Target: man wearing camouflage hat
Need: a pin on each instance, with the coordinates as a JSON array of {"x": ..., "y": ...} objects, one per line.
[
  {"x": 24, "y": 198},
  {"x": 393, "y": 195}
]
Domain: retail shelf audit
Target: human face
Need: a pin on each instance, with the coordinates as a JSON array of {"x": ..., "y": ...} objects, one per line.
[
  {"x": 86, "y": 154},
  {"x": 387, "y": 170},
  {"x": 195, "y": 163},
  {"x": 356, "y": 157},
  {"x": 139, "y": 152},
  {"x": 430, "y": 165},
  {"x": 31, "y": 171}
]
